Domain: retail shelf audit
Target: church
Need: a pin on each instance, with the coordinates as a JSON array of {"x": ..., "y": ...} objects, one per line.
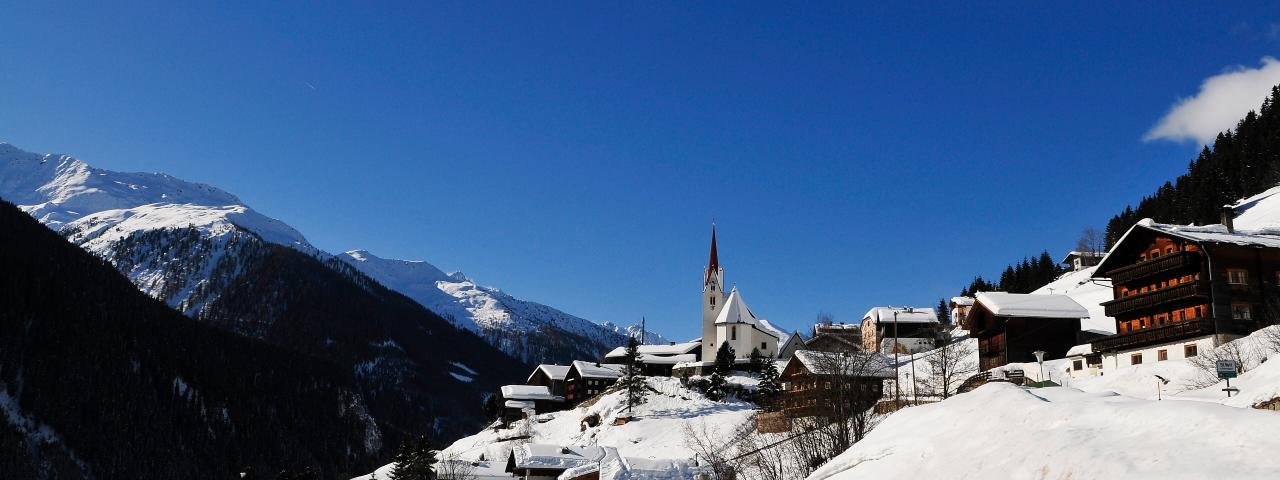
[{"x": 726, "y": 318}]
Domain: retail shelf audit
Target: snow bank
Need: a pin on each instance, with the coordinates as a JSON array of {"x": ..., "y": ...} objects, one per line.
[{"x": 1004, "y": 431}]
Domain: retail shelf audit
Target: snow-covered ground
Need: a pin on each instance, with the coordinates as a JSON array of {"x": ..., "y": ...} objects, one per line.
[
  {"x": 656, "y": 431},
  {"x": 1088, "y": 293},
  {"x": 1004, "y": 431}
]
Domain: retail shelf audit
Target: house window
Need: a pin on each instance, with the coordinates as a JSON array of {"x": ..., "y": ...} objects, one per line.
[
  {"x": 1155, "y": 253},
  {"x": 733, "y": 332},
  {"x": 1077, "y": 365},
  {"x": 1189, "y": 350},
  {"x": 1168, "y": 250},
  {"x": 1240, "y": 311},
  {"x": 1238, "y": 277},
  {"x": 1162, "y": 355},
  {"x": 1177, "y": 315},
  {"x": 763, "y": 346},
  {"x": 1135, "y": 359}
]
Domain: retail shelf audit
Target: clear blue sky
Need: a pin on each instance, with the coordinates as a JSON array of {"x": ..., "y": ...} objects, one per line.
[{"x": 575, "y": 154}]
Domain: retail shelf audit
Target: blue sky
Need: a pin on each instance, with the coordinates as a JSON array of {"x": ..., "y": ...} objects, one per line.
[{"x": 576, "y": 154}]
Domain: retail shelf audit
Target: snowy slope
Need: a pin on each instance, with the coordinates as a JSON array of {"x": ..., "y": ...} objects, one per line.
[
  {"x": 1089, "y": 294},
  {"x": 1259, "y": 212},
  {"x": 502, "y": 319},
  {"x": 1004, "y": 431},
  {"x": 657, "y": 431}
]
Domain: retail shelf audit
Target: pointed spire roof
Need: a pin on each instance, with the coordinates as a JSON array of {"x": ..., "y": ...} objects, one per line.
[{"x": 713, "y": 263}]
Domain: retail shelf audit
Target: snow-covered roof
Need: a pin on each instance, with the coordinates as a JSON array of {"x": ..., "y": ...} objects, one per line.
[
  {"x": 915, "y": 315},
  {"x": 1076, "y": 253},
  {"x": 520, "y": 404},
  {"x": 1084, "y": 349},
  {"x": 667, "y": 359},
  {"x": 528, "y": 392},
  {"x": 963, "y": 301},
  {"x": 1268, "y": 236},
  {"x": 554, "y": 372},
  {"x": 1004, "y": 304},
  {"x": 554, "y": 457},
  {"x": 853, "y": 363},
  {"x": 614, "y": 466},
  {"x": 775, "y": 331},
  {"x": 1261, "y": 211},
  {"x": 598, "y": 370},
  {"x": 735, "y": 311},
  {"x": 672, "y": 349}
]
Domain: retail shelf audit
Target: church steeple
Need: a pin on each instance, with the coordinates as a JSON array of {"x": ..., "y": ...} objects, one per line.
[
  {"x": 713, "y": 299},
  {"x": 713, "y": 277},
  {"x": 713, "y": 264}
]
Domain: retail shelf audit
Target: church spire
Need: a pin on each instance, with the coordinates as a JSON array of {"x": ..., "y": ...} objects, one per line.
[
  {"x": 713, "y": 279},
  {"x": 714, "y": 263}
]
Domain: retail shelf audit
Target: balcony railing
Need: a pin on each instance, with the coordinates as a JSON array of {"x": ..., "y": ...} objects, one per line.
[
  {"x": 1155, "y": 298},
  {"x": 1140, "y": 270},
  {"x": 1172, "y": 332}
]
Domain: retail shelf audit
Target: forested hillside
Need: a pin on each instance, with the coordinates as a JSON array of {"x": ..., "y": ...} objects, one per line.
[
  {"x": 1239, "y": 164},
  {"x": 98, "y": 380}
]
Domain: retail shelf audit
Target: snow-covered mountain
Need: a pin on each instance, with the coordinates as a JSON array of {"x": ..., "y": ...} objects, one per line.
[
  {"x": 525, "y": 329},
  {"x": 185, "y": 242}
]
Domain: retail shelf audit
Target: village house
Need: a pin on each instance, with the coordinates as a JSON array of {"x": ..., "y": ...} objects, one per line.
[
  {"x": 550, "y": 376},
  {"x": 1078, "y": 261},
  {"x": 827, "y": 342},
  {"x": 790, "y": 345},
  {"x": 811, "y": 381},
  {"x": 588, "y": 379},
  {"x": 905, "y": 330},
  {"x": 536, "y": 461},
  {"x": 658, "y": 360},
  {"x": 1083, "y": 362},
  {"x": 1179, "y": 291},
  {"x": 1010, "y": 326},
  {"x": 960, "y": 310},
  {"x": 519, "y": 401}
]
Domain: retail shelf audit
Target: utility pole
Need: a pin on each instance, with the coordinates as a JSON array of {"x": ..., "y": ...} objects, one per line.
[{"x": 897, "y": 380}]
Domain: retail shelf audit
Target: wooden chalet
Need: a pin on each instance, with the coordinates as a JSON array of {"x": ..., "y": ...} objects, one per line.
[
  {"x": 588, "y": 379},
  {"x": 826, "y": 342},
  {"x": 1010, "y": 326},
  {"x": 520, "y": 400},
  {"x": 658, "y": 360},
  {"x": 550, "y": 376},
  {"x": 810, "y": 381},
  {"x": 537, "y": 461},
  {"x": 1179, "y": 290}
]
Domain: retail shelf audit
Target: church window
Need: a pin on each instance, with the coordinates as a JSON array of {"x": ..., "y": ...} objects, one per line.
[
  {"x": 713, "y": 301},
  {"x": 733, "y": 332}
]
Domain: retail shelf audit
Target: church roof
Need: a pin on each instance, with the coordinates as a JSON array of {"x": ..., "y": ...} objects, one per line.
[
  {"x": 735, "y": 311},
  {"x": 713, "y": 263}
]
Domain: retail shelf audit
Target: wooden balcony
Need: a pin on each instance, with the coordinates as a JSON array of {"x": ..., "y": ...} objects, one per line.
[
  {"x": 1171, "y": 333},
  {"x": 1119, "y": 306},
  {"x": 1144, "y": 269}
]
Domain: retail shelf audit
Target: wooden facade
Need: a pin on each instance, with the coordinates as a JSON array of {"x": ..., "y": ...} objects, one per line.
[
  {"x": 1169, "y": 285},
  {"x": 810, "y": 388},
  {"x": 586, "y": 380},
  {"x": 1008, "y": 339},
  {"x": 550, "y": 376}
]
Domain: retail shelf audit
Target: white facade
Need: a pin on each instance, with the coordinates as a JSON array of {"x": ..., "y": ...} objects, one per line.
[
  {"x": 1172, "y": 351},
  {"x": 726, "y": 318}
]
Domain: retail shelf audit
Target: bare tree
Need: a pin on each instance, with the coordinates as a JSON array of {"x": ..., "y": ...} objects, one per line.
[
  {"x": 949, "y": 366},
  {"x": 710, "y": 450},
  {"x": 1091, "y": 241},
  {"x": 1206, "y": 362},
  {"x": 453, "y": 467},
  {"x": 850, "y": 384}
]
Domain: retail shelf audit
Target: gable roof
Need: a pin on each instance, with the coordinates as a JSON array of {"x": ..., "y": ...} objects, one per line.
[
  {"x": 886, "y": 315},
  {"x": 1034, "y": 305},
  {"x": 1217, "y": 234},
  {"x": 858, "y": 364},
  {"x": 672, "y": 349},
  {"x": 597, "y": 370},
  {"x": 528, "y": 392},
  {"x": 554, "y": 372},
  {"x": 543, "y": 456}
]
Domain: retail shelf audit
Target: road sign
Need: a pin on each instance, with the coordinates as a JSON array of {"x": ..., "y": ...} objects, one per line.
[{"x": 1227, "y": 368}]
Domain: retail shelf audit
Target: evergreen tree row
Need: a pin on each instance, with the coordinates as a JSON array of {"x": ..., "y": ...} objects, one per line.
[
  {"x": 1239, "y": 164},
  {"x": 1022, "y": 277}
]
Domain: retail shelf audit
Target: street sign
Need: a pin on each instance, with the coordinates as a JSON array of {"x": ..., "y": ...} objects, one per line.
[{"x": 1227, "y": 368}]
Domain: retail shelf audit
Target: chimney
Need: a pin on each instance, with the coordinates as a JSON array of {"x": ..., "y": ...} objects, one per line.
[{"x": 1228, "y": 218}]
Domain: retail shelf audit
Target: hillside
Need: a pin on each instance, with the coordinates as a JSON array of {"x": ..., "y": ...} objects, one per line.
[
  {"x": 98, "y": 380},
  {"x": 527, "y": 330},
  {"x": 185, "y": 243}
]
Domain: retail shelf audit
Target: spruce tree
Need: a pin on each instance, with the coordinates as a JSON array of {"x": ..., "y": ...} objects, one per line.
[
  {"x": 770, "y": 387},
  {"x": 757, "y": 360},
  {"x": 724, "y": 359},
  {"x": 415, "y": 460},
  {"x": 715, "y": 387},
  {"x": 944, "y": 312},
  {"x": 632, "y": 381}
]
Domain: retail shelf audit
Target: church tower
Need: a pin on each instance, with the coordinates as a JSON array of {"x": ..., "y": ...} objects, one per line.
[{"x": 712, "y": 301}]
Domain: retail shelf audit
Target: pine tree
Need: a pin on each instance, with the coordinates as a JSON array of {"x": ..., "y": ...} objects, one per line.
[
  {"x": 415, "y": 460},
  {"x": 770, "y": 387},
  {"x": 724, "y": 359},
  {"x": 944, "y": 312},
  {"x": 632, "y": 381},
  {"x": 715, "y": 387},
  {"x": 757, "y": 360}
]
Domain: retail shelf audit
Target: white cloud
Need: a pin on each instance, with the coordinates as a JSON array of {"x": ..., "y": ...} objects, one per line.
[{"x": 1223, "y": 100}]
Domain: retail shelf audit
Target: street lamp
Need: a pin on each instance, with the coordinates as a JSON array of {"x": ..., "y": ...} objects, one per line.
[
  {"x": 1160, "y": 387},
  {"x": 1040, "y": 360}
]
